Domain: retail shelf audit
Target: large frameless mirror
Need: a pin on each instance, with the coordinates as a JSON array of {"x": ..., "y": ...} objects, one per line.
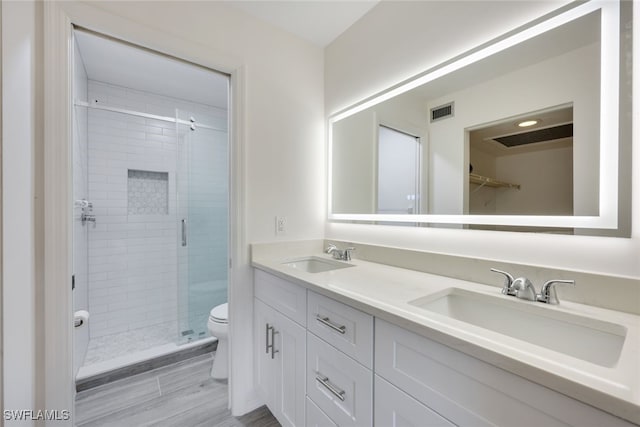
[{"x": 521, "y": 133}]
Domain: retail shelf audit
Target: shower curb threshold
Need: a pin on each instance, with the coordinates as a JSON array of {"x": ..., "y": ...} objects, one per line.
[{"x": 105, "y": 372}]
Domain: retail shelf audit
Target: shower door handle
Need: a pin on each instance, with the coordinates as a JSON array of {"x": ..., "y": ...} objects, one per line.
[{"x": 184, "y": 232}]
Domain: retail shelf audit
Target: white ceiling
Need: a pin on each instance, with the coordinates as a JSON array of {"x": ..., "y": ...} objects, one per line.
[
  {"x": 121, "y": 64},
  {"x": 318, "y": 21},
  {"x": 114, "y": 62}
]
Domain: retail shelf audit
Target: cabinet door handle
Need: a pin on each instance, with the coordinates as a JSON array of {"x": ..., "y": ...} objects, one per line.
[
  {"x": 184, "y": 232},
  {"x": 266, "y": 339},
  {"x": 273, "y": 343},
  {"x": 326, "y": 321},
  {"x": 332, "y": 388}
]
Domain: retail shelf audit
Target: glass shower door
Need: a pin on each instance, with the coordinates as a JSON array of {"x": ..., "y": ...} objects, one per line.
[{"x": 202, "y": 208}]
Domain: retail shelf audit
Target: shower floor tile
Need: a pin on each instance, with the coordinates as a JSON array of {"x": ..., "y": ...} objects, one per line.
[{"x": 113, "y": 346}]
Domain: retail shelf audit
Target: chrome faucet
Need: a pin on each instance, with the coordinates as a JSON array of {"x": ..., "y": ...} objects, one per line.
[
  {"x": 341, "y": 254},
  {"x": 548, "y": 293},
  {"x": 523, "y": 288}
]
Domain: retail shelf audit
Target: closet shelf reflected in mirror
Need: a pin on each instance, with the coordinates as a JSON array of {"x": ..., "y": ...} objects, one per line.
[{"x": 485, "y": 181}]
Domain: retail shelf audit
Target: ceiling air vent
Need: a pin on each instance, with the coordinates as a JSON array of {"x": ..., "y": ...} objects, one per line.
[
  {"x": 541, "y": 135},
  {"x": 442, "y": 112}
]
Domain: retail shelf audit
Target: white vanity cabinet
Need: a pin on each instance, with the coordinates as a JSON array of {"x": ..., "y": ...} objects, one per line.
[
  {"x": 469, "y": 392},
  {"x": 280, "y": 349},
  {"x": 317, "y": 364}
]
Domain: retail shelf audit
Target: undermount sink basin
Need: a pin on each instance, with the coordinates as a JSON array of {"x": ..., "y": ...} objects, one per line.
[
  {"x": 578, "y": 336},
  {"x": 314, "y": 264}
]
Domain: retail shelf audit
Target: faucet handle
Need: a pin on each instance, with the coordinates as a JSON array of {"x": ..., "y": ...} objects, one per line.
[
  {"x": 347, "y": 253},
  {"x": 508, "y": 281},
  {"x": 331, "y": 248},
  {"x": 548, "y": 293}
]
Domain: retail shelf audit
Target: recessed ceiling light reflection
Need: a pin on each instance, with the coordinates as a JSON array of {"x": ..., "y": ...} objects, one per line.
[{"x": 527, "y": 123}]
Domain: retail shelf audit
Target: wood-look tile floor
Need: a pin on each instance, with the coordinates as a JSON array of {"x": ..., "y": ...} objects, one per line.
[{"x": 182, "y": 394}]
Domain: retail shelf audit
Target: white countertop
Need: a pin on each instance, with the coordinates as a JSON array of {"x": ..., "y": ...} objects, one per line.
[{"x": 384, "y": 291}]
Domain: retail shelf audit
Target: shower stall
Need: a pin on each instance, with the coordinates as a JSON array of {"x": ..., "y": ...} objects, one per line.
[{"x": 151, "y": 202}]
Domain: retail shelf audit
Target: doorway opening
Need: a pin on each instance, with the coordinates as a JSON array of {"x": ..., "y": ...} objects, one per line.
[{"x": 151, "y": 204}]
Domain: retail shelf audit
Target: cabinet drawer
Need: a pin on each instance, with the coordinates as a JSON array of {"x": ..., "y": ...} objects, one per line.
[
  {"x": 317, "y": 418},
  {"x": 286, "y": 297},
  {"x": 395, "y": 408},
  {"x": 468, "y": 391},
  {"x": 339, "y": 385},
  {"x": 344, "y": 327}
]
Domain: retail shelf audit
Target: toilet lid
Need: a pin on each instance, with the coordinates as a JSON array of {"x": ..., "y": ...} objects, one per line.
[{"x": 220, "y": 313}]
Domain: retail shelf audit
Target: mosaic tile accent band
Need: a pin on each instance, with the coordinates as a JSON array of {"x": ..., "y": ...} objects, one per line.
[{"x": 148, "y": 193}]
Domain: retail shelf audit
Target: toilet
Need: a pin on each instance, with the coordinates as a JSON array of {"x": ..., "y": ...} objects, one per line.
[{"x": 218, "y": 326}]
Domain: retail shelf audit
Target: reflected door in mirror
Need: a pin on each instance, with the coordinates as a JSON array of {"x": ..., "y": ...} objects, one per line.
[{"x": 398, "y": 172}]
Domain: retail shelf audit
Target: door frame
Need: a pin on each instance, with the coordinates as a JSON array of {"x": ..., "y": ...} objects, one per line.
[{"x": 57, "y": 380}]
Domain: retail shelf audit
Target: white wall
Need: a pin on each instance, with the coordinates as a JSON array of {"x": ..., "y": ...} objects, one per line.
[
  {"x": 546, "y": 179},
  {"x": 281, "y": 133},
  {"x": 1, "y": 238},
  {"x": 353, "y": 165},
  {"x": 19, "y": 134},
  {"x": 380, "y": 63}
]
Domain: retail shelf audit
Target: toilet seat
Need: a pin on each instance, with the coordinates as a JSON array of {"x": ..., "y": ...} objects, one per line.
[{"x": 220, "y": 313}]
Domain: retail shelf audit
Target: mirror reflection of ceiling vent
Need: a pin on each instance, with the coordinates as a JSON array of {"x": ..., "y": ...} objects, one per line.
[
  {"x": 442, "y": 112},
  {"x": 548, "y": 134}
]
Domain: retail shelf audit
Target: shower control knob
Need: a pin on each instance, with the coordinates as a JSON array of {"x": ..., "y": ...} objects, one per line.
[{"x": 87, "y": 218}]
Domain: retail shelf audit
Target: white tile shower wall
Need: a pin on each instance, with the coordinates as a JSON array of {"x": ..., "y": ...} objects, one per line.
[{"x": 133, "y": 265}]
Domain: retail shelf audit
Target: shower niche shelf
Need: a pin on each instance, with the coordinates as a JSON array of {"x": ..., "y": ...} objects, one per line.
[{"x": 147, "y": 192}]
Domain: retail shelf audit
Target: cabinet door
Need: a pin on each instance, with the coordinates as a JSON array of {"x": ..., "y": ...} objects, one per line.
[
  {"x": 470, "y": 392},
  {"x": 290, "y": 357},
  {"x": 264, "y": 317},
  {"x": 317, "y": 418},
  {"x": 280, "y": 346},
  {"x": 395, "y": 408}
]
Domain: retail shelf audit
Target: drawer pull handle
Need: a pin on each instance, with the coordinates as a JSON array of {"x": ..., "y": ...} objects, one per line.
[
  {"x": 333, "y": 389},
  {"x": 325, "y": 321}
]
